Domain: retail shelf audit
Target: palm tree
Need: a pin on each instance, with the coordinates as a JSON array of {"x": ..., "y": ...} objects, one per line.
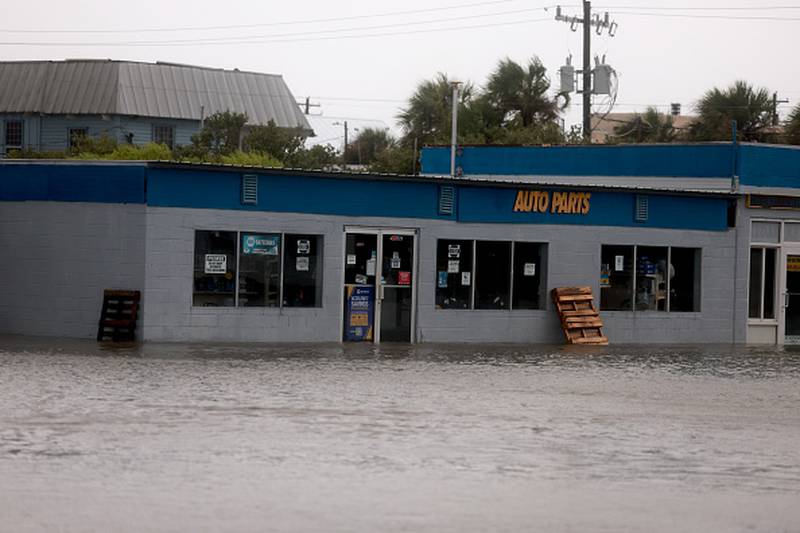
[
  {"x": 370, "y": 143},
  {"x": 793, "y": 126},
  {"x": 428, "y": 115},
  {"x": 650, "y": 127},
  {"x": 751, "y": 109},
  {"x": 519, "y": 94}
]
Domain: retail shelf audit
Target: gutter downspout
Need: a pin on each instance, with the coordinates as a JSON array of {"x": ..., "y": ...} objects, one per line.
[{"x": 735, "y": 188}]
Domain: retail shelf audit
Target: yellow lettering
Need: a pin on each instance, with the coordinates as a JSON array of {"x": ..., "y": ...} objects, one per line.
[
  {"x": 585, "y": 209},
  {"x": 529, "y": 197},
  {"x": 519, "y": 204},
  {"x": 544, "y": 201}
]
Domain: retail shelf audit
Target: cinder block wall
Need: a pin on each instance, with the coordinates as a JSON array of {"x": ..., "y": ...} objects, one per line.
[
  {"x": 573, "y": 258},
  {"x": 58, "y": 257}
]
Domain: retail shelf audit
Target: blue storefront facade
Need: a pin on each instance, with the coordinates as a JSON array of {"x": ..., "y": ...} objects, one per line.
[{"x": 671, "y": 238}]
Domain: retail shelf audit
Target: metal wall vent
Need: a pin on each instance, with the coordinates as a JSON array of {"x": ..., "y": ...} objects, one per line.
[
  {"x": 249, "y": 189},
  {"x": 642, "y": 208},
  {"x": 447, "y": 199}
]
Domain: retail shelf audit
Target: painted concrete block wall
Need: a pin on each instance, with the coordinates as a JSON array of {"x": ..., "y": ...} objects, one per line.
[
  {"x": 574, "y": 258},
  {"x": 59, "y": 257}
]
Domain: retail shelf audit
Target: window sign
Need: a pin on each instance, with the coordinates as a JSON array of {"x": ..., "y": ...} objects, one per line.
[
  {"x": 466, "y": 278},
  {"x": 530, "y": 269},
  {"x": 216, "y": 264},
  {"x": 260, "y": 244},
  {"x": 454, "y": 251},
  {"x": 453, "y": 266},
  {"x": 351, "y": 259},
  {"x": 303, "y": 246},
  {"x": 361, "y": 279},
  {"x": 404, "y": 277},
  {"x": 371, "y": 265},
  {"x": 619, "y": 263},
  {"x": 359, "y": 314},
  {"x": 442, "y": 283},
  {"x": 301, "y": 264},
  {"x": 395, "y": 260}
]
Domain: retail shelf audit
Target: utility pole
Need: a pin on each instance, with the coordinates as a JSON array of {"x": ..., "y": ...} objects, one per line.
[
  {"x": 775, "y": 103},
  {"x": 307, "y": 105},
  {"x": 588, "y": 21},
  {"x": 587, "y": 72},
  {"x": 454, "y": 129},
  {"x": 344, "y": 151}
]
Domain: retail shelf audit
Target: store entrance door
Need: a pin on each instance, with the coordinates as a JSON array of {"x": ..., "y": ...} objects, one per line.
[
  {"x": 379, "y": 285},
  {"x": 791, "y": 299}
]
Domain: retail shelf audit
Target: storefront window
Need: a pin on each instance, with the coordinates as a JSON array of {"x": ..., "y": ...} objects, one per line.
[
  {"x": 492, "y": 274},
  {"x": 762, "y": 283},
  {"x": 214, "y": 268},
  {"x": 616, "y": 278},
  {"x": 651, "y": 278},
  {"x": 684, "y": 282},
  {"x": 259, "y": 270},
  {"x": 453, "y": 274},
  {"x": 666, "y": 279},
  {"x": 302, "y": 271},
  {"x": 528, "y": 275}
]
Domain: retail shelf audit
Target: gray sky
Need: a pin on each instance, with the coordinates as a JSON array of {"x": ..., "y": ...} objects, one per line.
[{"x": 661, "y": 55}]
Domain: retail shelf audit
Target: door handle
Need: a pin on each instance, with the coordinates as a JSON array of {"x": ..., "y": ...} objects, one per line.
[{"x": 786, "y": 299}]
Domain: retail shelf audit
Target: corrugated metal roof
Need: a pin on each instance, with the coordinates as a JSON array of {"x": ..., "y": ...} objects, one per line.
[{"x": 144, "y": 89}]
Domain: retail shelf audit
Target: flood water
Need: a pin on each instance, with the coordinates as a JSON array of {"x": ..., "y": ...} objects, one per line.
[{"x": 176, "y": 437}]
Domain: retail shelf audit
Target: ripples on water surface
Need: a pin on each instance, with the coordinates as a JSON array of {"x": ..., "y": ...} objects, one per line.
[{"x": 169, "y": 437}]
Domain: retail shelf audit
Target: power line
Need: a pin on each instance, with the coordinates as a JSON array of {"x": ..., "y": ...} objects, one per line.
[
  {"x": 272, "y": 40},
  {"x": 715, "y": 17},
  {"x": 700, "y": 8},
  {"x": 272, "y": 24}
]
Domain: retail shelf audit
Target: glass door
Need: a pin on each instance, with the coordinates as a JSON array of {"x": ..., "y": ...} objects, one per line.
[
  {"x": 379, "y": 281},
  {"x": 791, "y": 301},
  {"x": 360, "y": 273},
  {"x": 395, "y": 294}
]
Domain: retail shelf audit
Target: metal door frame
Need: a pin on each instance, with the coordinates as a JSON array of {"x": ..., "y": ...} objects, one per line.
[
  {"x": 379, "y": 232},
  {"x": 785, "y": 251}
]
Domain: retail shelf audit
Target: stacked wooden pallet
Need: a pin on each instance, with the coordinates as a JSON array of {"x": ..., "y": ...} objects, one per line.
[
  {"x": 579, "y": 317},
  {"x": 118, "y": 316}
]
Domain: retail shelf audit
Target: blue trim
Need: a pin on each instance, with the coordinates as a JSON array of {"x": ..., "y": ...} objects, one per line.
[
  {"x": 769, "y": 166},
  {"x": 478, "y": 204},
  {"x": 73, "y": 183},
  {"x": 699, "y": 161}
]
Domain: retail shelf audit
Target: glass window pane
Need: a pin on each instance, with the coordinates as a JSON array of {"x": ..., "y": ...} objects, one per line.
[
  {"x": 528, "y": 275},
  {"x": 770, "y": 259},
  {"x": 651, "y": 278},
  {"x": 756, "y": 264},
  {"x": 14, "y": 130},
  {"x": 766, "y": 232},
  {"x": 214, "y": 268},
  {"x": 791, "y": 232},
  {"x": 616, "y": 278},
  {"x": 453, "y": 274},
  {"x": 362, "y": 259},
  {"x": 302, "y": 271},
  {"x": 259, "y": 270},
  {"x": 684, "y": 276},
  {"x": 492, "y": 274}
]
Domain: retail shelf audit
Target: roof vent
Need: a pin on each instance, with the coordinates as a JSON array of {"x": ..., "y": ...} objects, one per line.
[
  {"x": 447, "y": 199},
  {"x": 642, "y": 208},
  {"x": 249, "y": 189}
]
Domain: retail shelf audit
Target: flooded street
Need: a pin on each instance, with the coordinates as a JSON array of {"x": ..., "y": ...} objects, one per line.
[{"x": 173, "y": 437}]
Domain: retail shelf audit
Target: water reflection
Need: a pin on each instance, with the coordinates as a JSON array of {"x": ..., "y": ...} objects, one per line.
[{"x": 397, "y": 437}]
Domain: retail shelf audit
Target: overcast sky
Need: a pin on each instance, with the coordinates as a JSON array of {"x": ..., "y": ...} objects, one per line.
[{"x": 662, "y": 56}]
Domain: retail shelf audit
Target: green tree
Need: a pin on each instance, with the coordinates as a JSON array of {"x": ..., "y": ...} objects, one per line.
[
  {"x": 398, "y": 159},
  {"x": 427, "y": 118},
  {"x": 519, "y": 93},
  {"x": 368, "y": 145},
  {"x": 750, "y": 107},
  {"x": 792, "y": 126},
  {"x": 280, "y": 143},
  {"x": 649, "y": 127},
  {"x": 221, "y": 134},
  {"x": 321, "y": 156}
]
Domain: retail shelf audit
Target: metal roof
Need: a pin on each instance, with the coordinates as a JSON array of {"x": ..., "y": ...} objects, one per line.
[{"x": 144, "y": 89}]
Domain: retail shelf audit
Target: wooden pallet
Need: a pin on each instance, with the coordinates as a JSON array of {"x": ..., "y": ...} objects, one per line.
[
  {"x": 579, "y": 319},
  {"x": 118, "y": 316}
]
